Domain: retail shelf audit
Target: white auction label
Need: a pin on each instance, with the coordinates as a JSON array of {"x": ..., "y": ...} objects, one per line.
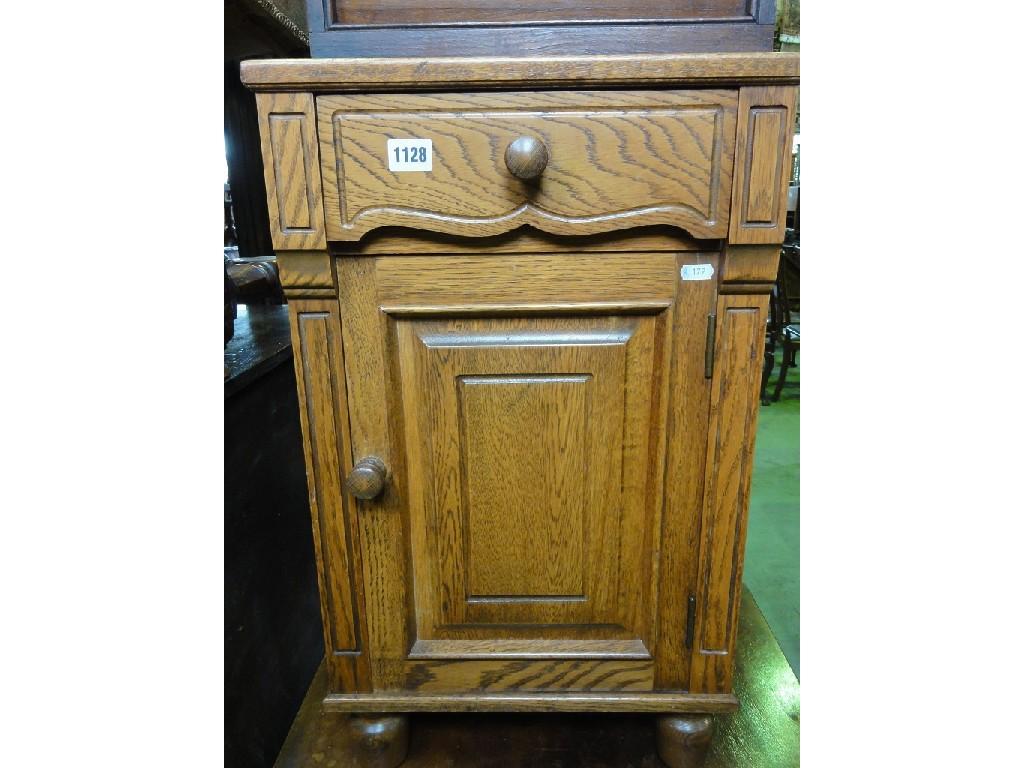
[
  {"x": 410, "y": 155},
  {"x": 697, "y": 271}
]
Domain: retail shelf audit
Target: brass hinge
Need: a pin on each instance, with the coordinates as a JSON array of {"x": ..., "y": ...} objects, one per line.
[
  {"x": 709, "y": 349},
  {"x": 691, "y": 615}
]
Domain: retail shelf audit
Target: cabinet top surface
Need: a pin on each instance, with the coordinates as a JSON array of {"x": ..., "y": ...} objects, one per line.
[{"x": 391, "y": 74}]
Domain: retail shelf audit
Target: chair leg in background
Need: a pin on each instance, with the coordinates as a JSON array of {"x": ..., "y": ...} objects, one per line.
[
  {"x": 769, "y": 366},
  {"x": 782, "y": 374}
]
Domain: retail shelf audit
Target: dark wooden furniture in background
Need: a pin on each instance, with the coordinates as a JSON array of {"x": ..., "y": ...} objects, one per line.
[
  {"x": 790, "y": 346},
  {"x": 771, "y": 340},
  {"x": 255, "y": 281},
  {"x": 549, "y": 428},
  {"x": 786, "y": 298},
  {"x": 537, "y": 27},
  {"x": 783, "y": 319},
  {"x": 230, "y": 309},
  {"x": 272, "y": 640}
]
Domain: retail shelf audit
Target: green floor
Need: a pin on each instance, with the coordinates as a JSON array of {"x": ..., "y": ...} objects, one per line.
[{"x": 772, "y": 566}]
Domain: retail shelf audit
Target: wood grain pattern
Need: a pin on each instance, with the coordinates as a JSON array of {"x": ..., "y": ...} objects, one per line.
[
  {"x": 528, "y": 589},
  {"x": 534, "y": 548},
  {"x": 763, "y": 733},
  {"x": 766, "y": 162},
  {"x": 291, "y": 170},
  {"x": 491, "y": 676},
  {"x": 749, "y": 264},
  {"x": 511, "y": 648},
  {"x": 318, "y": 363},
  {"x": 516, "y": 514},
  {"x": 294, "y": 203},
  {"x": 686, "y": 423},
  {"x": 401, "y": 12},
  {"x": 562, "y": 479},
  {"x": 615, "y": 160},
  {"x": 559, "y": 701},
  {"x": 524, "y": 279},
  {"x": 466, "y": 73},
  {"x": 545, "y": 40},
  {"x": 300, "y": 270},
  {"x": 373, "y": 423},
  {"x": 733, "y": 422},
  {"x": 764, "y": 136}
]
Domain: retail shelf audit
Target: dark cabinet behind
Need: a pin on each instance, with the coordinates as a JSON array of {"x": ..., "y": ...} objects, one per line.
[
  {"x": 272, "y": 638},
  {"x": 537, "y": 27}
]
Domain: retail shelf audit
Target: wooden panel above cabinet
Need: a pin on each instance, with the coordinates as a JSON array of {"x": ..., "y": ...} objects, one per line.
[
  {"x": 532, "y": 27},
  {"x": 366, "y": 12},
  {"x": 614, "y": 160}
]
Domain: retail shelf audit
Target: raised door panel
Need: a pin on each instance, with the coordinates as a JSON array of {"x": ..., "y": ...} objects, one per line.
[
  {"x": 525, "y": 407},
  {"x": 516, "y": 427},
  {"x": 616, "y": 159},
  {"x": 534, "y": 549}
]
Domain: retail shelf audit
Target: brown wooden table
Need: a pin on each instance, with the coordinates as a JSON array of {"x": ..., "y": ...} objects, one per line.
[{"x": 764, "y": 733}]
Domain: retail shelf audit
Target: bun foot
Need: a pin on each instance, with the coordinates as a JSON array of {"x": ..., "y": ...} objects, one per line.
[
  {"x": 379, "y": 741},
  {"x": 683, "y": 740}
]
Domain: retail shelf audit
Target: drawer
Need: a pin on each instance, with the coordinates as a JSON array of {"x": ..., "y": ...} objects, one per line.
[{"x": 614, "y": 159}]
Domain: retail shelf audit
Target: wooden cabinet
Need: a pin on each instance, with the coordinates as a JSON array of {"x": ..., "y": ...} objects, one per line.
[{"x": 529, "y": 404}]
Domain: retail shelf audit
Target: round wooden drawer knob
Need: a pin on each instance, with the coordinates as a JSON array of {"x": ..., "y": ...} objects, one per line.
[
  {"x": 526, "y": 158},
  {"x": 366, "y": 480}
]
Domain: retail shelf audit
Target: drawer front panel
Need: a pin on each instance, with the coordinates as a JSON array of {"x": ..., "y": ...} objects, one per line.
[{"x": 615, "y": 160}]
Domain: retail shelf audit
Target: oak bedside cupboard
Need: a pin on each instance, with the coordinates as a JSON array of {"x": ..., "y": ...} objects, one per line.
[{"x": 528, "y": 302}]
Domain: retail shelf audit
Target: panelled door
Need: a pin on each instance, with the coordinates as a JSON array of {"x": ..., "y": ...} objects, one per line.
[{"x": 542, "y": 421}]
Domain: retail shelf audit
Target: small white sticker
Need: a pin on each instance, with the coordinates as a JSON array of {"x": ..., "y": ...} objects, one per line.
[
  {"x": 697, "y": 271},
  {"x": 410, "y": 155}
]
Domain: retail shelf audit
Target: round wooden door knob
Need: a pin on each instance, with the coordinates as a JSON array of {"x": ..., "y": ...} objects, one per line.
[
  {"x": 526, "y": 158},
  {"x": 366, "y": 480}
]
